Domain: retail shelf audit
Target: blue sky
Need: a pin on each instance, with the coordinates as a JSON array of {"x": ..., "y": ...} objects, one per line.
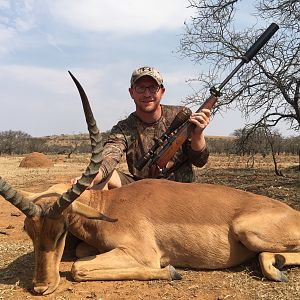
[{"x": 101, "y": 43}]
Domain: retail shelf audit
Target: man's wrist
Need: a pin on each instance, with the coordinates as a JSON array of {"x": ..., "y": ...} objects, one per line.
[{"x": 198, "y": 142}]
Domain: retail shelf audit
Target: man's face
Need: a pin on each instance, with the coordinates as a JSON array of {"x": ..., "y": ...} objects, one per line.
[{"x": 146, "y": 94}]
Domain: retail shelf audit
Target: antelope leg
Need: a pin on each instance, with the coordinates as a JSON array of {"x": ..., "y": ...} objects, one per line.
[
  {"x": 271, "y": 263},
  {"x": 118, "y": 265}
]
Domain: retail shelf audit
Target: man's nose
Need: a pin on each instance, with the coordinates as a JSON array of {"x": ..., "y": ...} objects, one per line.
[{"x": 147, "y": 92}]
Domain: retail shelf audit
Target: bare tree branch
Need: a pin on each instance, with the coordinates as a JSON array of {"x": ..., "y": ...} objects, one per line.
[{"x": 267, "y": 87}]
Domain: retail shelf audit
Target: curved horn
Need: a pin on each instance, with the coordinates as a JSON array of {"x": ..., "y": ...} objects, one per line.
[
  {"x": 91, "y": 171},
  {"x": 25, "y": 206}
]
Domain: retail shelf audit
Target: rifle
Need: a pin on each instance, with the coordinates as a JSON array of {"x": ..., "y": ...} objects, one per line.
[{"x": 180, "y": 129}]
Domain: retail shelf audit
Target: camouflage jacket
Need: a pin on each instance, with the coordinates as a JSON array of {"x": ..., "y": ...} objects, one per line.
[{"x": 134, "y": 138}]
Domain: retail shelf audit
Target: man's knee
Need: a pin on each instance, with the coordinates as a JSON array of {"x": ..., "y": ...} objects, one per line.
[
  {"x": 114, "y": 180},
  {"x": 111, "y": 182}
]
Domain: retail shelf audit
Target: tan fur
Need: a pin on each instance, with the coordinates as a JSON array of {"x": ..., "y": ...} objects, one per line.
[{"x": 163, "y": 223}]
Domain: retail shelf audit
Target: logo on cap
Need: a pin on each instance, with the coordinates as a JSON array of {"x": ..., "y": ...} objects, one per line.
[{"x": 146, "y": 71}]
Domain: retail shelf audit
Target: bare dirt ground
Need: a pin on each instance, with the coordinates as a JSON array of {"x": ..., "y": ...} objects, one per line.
[{"x": 243, "y": 282}]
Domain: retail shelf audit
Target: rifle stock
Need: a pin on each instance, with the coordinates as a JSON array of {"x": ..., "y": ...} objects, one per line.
[{"x": 176, "y": 141}]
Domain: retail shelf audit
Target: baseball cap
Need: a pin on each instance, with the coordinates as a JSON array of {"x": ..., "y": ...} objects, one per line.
[{"x": 146, "y": 71}]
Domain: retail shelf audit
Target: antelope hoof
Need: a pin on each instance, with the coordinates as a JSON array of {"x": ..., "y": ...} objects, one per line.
[
  {"x": 174, "y": 274},
  {"x": 281, "y": 276},
  {"x": 279, "y": 264},
  {"x": 44, "y": 288},
  {"x": 40, "y": 289}
]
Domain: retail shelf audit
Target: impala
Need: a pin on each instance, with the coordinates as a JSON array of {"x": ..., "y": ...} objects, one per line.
[{"x": 143, "y": 230}]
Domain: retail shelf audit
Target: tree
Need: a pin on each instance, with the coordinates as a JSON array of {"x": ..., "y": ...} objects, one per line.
[
  {"x": 249, "y": 142},
  {"x": 262, "y": 140},
  {"x": 273, "y": 139},
  {"x": 269, "y": 86},
  {"x": 14, "y": 142}
]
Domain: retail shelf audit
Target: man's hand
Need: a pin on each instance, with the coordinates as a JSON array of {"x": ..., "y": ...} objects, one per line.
[
  {"x": 96, "y": 180},
  {"x": 74, "y": 180},
  {"x": 201, "y": 120}
]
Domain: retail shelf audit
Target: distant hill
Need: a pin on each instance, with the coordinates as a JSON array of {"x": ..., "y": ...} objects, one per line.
[
  {"x": 72, "y": 139},
  {"x": 66, "y": 139},
  {"x": 69, "y": 143}
]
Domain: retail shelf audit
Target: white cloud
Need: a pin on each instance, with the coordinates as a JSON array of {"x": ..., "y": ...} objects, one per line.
[
  {"x": 6, "y": 35},
  {"x": 177, "y": 77},
  {"x": 16, "y": 18},
  {"x": 32, "y": 76},
  {"x": 4, "y": 4},
  {"x": 17, "y": 14},
  {"x": 43, "y": 101},
  {"x": 122, "y": 17},
  {"x": 48, "y": 80},
  {"x": 23, "y": 23}
]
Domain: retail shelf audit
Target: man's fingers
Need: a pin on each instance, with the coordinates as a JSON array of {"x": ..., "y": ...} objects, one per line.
[
  {"x": 74, "y": 180},
  {"x": 201, "y": 119}
]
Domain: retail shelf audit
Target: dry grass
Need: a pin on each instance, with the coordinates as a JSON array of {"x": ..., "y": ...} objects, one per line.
[{"x": 243, "y": 282}]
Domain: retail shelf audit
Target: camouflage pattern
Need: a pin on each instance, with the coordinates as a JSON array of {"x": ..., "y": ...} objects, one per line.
[
  {"x": 146, "y": 71},
  {"x": 134, "y": 138}
]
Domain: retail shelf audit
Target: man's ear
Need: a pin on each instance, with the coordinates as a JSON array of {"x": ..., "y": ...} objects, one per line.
[{"x": 131, "y": 92}]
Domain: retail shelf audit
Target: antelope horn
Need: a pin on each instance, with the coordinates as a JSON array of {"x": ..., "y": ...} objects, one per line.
[
  {"x": 24, "y": 205},
  {"x": 92, "y": 169}
]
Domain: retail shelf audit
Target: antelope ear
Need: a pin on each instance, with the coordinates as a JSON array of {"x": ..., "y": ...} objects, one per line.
[{"x": 88, "y": 212}]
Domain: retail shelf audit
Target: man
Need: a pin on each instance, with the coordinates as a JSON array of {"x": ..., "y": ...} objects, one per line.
[{"x": 134, "y": 135}]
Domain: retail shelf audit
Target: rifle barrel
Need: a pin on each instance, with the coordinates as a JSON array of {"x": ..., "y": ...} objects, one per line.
[
  {"x": 262, "y": 40},
  {"x": 252, "y": 51}
]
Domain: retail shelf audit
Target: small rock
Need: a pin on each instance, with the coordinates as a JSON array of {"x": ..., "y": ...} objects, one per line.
[{"x": 16, "y": 214}]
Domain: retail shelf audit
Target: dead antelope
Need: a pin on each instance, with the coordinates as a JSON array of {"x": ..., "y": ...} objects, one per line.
[{"x": 143, "y": 230}]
